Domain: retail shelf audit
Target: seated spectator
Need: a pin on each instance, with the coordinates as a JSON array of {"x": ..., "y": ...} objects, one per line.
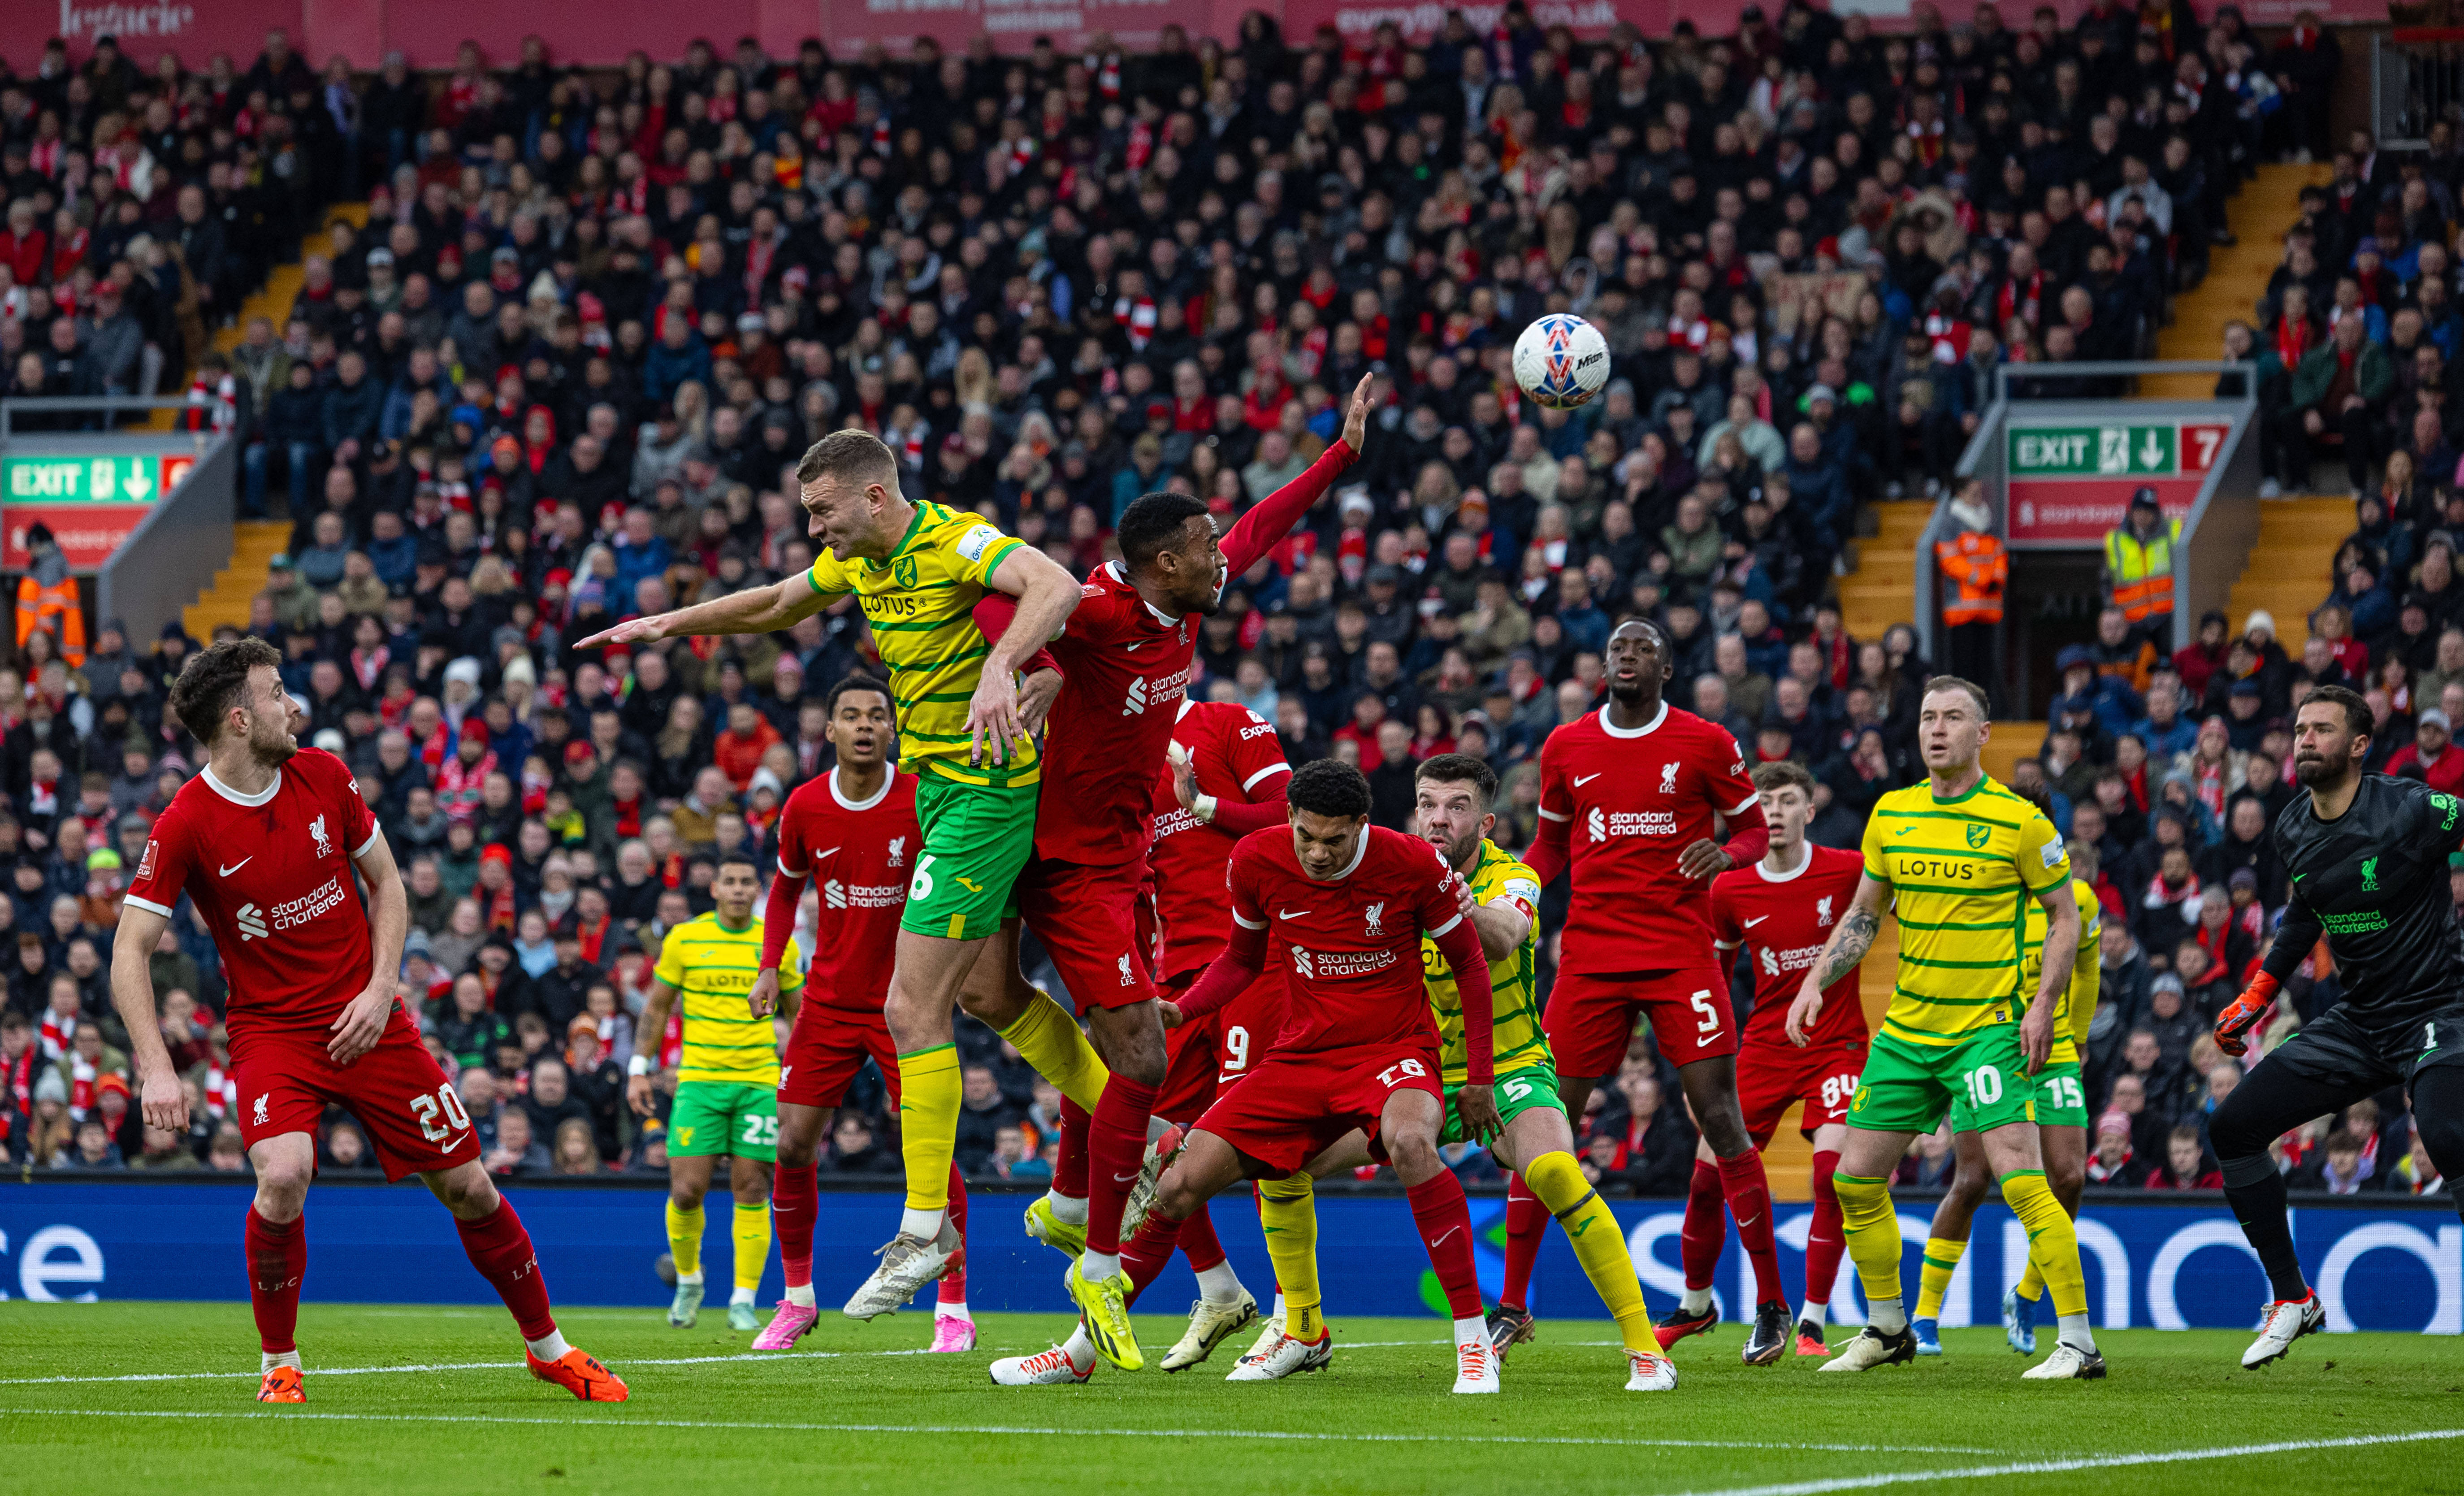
[
  {"x": 2114, "y": 1164},
  {"x": 517, "y": 1154},
  {"x": 855, "y": 1151},
  {"x": 2186, "y": 1164},
  {"x": 576, "y": 1152},
  {"x": 346, "y": 1151},
  {"x": 2337, "y": 1169}
]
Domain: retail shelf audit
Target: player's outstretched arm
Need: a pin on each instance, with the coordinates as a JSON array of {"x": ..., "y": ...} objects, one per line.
[
  {"x": 132, "y": 997},
  {"x": 362, "y": 1023},
  {"x": 2062, "y": 949},
  {"x": 754, "y": 610},
  {"x": 1847, "y": 946},
  {"x": 1046, "y": 594},
  {"x": 1273, "y": 516}
]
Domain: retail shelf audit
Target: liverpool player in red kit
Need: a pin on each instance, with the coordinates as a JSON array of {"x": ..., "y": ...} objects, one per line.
[
  {"x": 1125, "y": 655},
  {"x": 1629, "y": 798},
  {"x": 1346, "y": 903},
  {"x": 1781, "y": 910},
  {"x": 854, "y": 828},
  {"x": 266, "y": 840}
]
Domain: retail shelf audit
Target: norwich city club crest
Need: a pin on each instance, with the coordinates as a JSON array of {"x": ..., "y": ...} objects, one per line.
[
  {"x": 903, "y": 571},
  {"x": 1977, "y": 837}
]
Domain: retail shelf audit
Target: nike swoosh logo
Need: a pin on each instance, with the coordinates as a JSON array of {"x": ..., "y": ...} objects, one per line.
[
  {"x": 833, "y": 851},
  {"x": 1290, "y": 913},
  {"x": 1132, "y": 648},
  {"x": 1441, "y": 1240},
  {"x": 2298, "y": 876},
  {"x": 235, "y": 867},
  {"x": 1756, "y": 920},
  {"x": 1741, "y": 1225},
  {"x": 1582, "y": 779},
  {"x": 1124, "y": 1178}
]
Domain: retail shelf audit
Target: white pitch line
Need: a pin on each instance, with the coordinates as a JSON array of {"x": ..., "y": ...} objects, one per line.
[
  {"x": 1983, "y": 1473},
  {"x": 1287, "y": 1435}
]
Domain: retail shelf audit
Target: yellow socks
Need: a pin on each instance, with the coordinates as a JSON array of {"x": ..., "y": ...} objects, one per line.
[
  {"x": 2053, "y": 1243},
  {"x": 752, "y": 1245},
  {"x": 1287, "y": 1210},
  {"x": 1592, "y": 1230},
  {"x": 1873, "y": 1230},
  {"x": 1046, "y": 1037},
  {"x": 2032, "y": 1283},
  {"x": 684, "y": 1240},
  {"x": 928, "y": 1128},
  {"x": 1940, "y": 1260}
]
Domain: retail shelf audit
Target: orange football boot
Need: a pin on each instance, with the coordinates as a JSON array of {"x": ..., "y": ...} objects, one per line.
[
  {"x": 281, "y": 1384},
  {"x": 579, "y": 1373}
]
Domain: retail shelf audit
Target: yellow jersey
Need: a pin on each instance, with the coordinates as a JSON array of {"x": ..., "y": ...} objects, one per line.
[
  {"x": 1517, "y": 1038},
  {"x": 920, "y": 602},
  {"x": 712, "y": 968},
  {"x": 1963, "y": 872},
  {"x": 2077, "y": 1008}
]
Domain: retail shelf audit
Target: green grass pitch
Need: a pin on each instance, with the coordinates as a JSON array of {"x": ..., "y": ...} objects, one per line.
[{"x": 115, "y": 1397}]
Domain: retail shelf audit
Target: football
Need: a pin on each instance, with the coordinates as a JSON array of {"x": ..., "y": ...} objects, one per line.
[{"x": 1561, "y": 360}]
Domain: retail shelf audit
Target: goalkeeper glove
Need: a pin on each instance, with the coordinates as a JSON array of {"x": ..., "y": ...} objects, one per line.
[{"x": 2241, "y": 1015}]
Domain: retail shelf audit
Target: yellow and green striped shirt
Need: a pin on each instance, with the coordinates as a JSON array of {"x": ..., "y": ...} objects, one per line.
[
  {"x": 712, "y": 968},
  {"x": 1515, "y": 1024},
  {"x": 920, "y": 603},
  {"x": 1964, "y": 872},
  {"x": 2076, "y": 1008}
]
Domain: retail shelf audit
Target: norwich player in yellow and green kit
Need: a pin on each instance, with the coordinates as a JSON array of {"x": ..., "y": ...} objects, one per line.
[
  {"x": 918, "y": 572},
  {"x": 1525, "y": 1128},
  {"x": 1961, "y": 859},
  {"x": 2061, "y": 1115},
  {"x": 727, "y": 1084}
]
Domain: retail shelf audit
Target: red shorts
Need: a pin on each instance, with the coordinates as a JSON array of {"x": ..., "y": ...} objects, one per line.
[
  {"x": 1206, "y": 1054},
  {"x": 1772, "y": 1076},
  {"x": 412, "y": 1116},
  {"x": 825, "y": 1049},
  {"x": 1088, "y": 921},
  {"x": 1590, "y": 1018},
  {"x": 1295, "y": 1106}
]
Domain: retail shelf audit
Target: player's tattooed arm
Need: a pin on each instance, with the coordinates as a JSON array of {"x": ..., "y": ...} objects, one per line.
[
  {"x": 1849, "y": 944},
  {"x": 1840, "y": 954}
]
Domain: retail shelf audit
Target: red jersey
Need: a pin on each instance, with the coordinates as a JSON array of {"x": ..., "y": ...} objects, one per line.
[
  {"x": 1783, "y": 920},
  {"x": 1351, "y": 948},
  {"x": 1238, "y": 760},
  {"x": 1635, "y": 800},
  {"x": 860, "y": 854},
  {"x": 272, "y": 873},
  {"x": 1126, "y": 670}
]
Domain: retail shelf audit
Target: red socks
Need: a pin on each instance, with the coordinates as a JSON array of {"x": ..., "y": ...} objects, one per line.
[
  {"x": 1444, "y": 1219},
  {"x": 1147, "y": 1252},
  {"x": 1824, "y": 1238},
  {"x": 278, "y": 1259},
  {"x": 1749, "y": 1194},
  {"x": 794, "y": 1201},
  {"x": 1117, "y": 1145},
  {"x": 500, "y": 1249},
  {"x": 1527, "y": 1221},
  {"x": 1706, "y": 1226},
  {"x": 1069, "y": 1175},
  {"x": 953, "y": 1282},
  {"x": 1198, "y": 1241}
]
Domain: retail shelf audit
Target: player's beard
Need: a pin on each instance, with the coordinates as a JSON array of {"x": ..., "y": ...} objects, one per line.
[
  {"x": 1459, "y": 851},
  {"x": 271, "y": 746},
  {"x": 2318, "y": 770}
]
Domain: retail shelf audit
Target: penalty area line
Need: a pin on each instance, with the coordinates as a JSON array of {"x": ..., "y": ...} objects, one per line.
[
  {"x": 1287, "y": 1435},
  {"x": 1983, "y": 1472}
]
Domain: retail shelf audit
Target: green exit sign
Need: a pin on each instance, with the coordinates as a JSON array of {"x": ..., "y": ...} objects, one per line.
[
  {"x": 129, "y": 478},
  {"x": 2087, "y": 452}
]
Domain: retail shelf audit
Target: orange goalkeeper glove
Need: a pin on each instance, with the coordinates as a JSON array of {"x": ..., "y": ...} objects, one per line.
[{"x": 2241, "y": 1015}]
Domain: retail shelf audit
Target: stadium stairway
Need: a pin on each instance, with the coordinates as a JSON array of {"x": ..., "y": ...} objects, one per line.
[
  {"x": 2287, "y": 572},
  {"x": 256, "y": 543},
  {"x": 2237, "y": 275}
]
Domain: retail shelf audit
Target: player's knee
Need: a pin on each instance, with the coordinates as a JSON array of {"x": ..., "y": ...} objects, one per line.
[
  {"x": 1414, "y": 1155},
  {"x": 1967, "y": 1186},
  {"x": 282, "y": 1190},
  {"x": 1176, "y": 1196}
]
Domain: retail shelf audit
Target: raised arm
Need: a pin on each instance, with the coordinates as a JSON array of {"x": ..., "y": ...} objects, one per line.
[
  {"x": 1847, "y": 946},
  {"x": 754, "y": 610},
  {"x": 1274, "y": 516}
]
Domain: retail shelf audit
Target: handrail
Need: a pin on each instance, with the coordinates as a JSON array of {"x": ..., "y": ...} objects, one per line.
[
  {"x": 105, "y": 405},
  {"x": 2104, "y": 368}
]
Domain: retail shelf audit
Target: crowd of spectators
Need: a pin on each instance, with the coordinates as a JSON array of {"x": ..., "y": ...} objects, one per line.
[{"x": 562, "y": 373}]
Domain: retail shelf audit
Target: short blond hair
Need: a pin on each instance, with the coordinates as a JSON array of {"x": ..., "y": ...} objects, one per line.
[{"x": 853, "y": 456}]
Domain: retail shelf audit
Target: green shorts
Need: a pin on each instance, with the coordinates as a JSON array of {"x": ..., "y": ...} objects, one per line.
[
  {"x": 714, "y": 1117},
  {"x": 1982, "y": 1082},
  {"x": 2061, "y": 1099},
  {"x": 977, "y": 838},
  {"x": 1517, "y": 1091}
]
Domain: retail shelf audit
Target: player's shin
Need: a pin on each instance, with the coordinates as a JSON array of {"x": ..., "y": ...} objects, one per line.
[
  {"x": 1069, "y": 1192},
  {"x": 752, "y": 1236},
  {"x": 1117, "y": 1141},
  {"x": 1288, "y": 1213},
  {"x": 2255, "y": 1189},
  {"x": 1527, "y": 1221},
  {"x": 1592, "y": 1230},
  {"x": 929, "y": 1093},
  {"x": 1871, "y": 1228},
  {"x": 1748, "y": 1190},
  {"x": 1443, "y": 1216},
  {"x": 684, "y": 1240},
  {"x": 1145, "y": 1255},
  {"x": 795, "y": 1200},
  {"x": 278, "y": 1259},
  {"x": 1048, "y": 1038},
  {"x": 1824, "y": 1241},
  {"x": 2052, "y": 1246},
  {"x": 952, "y": 1298},
  {"x": 500, "y": 1247},
  {"x": 1216, "y": 1282},
  {"x": 1705, "y": 1232},
  {"x": 1940, "y": 1260}
]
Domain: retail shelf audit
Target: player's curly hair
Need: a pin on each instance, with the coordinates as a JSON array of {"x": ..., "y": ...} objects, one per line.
[
  {"x": 213, "y": 679},
  {"x": 1329, "y": 787},
  {"x": 1152, "y": 523}
]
